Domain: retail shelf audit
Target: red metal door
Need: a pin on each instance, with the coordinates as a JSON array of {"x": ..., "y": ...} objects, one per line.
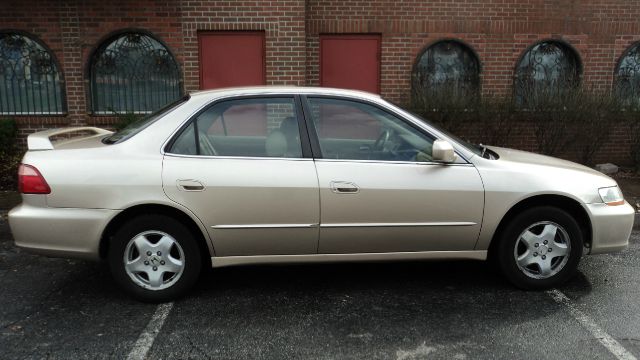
[
  {"x": 350, "y": 62},
  {"x": 231, "y": 59}
]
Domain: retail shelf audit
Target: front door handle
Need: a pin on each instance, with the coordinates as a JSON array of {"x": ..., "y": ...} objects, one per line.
[
  {"x": 344, "y": 187},
  {"x": 190, "y": 185}
]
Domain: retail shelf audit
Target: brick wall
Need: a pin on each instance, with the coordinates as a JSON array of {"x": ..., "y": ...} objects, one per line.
[
  {"x": 498, "y": 30},
  {"x": 41, "y": 20},
  {"x": 282, "y": 21},
  {"x": 72, "y": 30}
]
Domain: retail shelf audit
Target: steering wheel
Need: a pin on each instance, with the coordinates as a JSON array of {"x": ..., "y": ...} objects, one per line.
[{"x": 382, "y": 140}]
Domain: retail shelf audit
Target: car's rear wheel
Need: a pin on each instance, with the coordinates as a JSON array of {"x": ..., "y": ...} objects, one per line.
[
  {"x": 540, "y": 248},
  {"x": 154, "y": 258}
]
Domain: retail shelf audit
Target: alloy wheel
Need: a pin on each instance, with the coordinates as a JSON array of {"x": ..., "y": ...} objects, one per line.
[
  {"x": 154, "y": 260},
  {"x": 542, "y": 250}
]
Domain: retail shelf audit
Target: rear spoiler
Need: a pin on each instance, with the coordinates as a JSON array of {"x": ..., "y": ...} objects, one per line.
[{"x": 41, "y": 140}]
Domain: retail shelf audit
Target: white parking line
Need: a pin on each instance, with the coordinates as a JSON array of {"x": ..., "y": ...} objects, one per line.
[
  {"x": 605, "y": 339},
  {"x": 148, "y": 335}
]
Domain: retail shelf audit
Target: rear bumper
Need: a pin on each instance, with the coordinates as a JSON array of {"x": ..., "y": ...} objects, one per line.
[
  {"x": 611, "y": 227},
  {"x": 59, "y": 232}
]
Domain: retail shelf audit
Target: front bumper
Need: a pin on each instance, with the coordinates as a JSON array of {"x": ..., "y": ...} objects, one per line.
[
  {"x": 611, "y": 227},
  {"x": 59, "y": 232}
]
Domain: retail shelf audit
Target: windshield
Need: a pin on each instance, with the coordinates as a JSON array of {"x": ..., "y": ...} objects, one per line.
[{"x": 137, "y": 126}]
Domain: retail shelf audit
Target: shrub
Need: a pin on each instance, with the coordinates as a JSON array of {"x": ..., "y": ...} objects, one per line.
[
  {"x": 446, "y": 107},
  {"x": 124, "y": 119},
  {"x": 573, "y": 121},
  {"x": 633, "y": 123},
  {"x": 594, "y": 117},
  {"x": 10, "y": 154},
  {"x": 8, "y": 134},
  {"x": 487, "y": 119},
  {"x": 497, "y": 117}
]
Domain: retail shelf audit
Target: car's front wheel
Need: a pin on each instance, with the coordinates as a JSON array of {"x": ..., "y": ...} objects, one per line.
[
  {"x": 540, "y": 248},
  {"x": 154, "y": 258}
]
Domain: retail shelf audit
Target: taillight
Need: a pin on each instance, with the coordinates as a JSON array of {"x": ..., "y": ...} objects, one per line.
[{"x": 30, "y": 181}]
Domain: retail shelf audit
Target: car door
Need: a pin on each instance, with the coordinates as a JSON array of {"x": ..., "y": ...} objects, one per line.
[
  {"x": 379, "y": 189},
  {"x": 242, "y": 166}
]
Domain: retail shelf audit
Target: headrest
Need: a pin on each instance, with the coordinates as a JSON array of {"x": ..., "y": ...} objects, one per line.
[
  {"x": 289, "y": 125},
  {"x": 276, "y": 144}
]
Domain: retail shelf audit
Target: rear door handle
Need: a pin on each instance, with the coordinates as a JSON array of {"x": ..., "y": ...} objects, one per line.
[
  {"x": 190, "y": 185},
  {"x": 344, "y": 187}
]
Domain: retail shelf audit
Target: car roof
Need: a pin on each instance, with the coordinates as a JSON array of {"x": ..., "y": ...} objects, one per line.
[{"x": 267, "y": 90}]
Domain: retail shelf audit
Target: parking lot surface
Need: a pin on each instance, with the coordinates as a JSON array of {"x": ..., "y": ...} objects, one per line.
[{"x": 56, "y": 308}]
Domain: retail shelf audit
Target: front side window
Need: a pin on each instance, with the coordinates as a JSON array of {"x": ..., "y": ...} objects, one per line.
[
  {"x": 30, "y": 80},
  {"x": 546, "y": 72},
  {"x": 358, "y": 131},
  {"x": 262, "y": 127},
  {"x": 133, "y": 73}
]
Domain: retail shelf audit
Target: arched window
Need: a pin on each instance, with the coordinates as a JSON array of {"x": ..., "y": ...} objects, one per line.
[
  {"x": 446, "y": 68},
  {"x": 545, "y": 72},
  {"x": 30, "y": 80},
  {"x": 133, "y": 72},
  {"x": 627, "y": 77}
]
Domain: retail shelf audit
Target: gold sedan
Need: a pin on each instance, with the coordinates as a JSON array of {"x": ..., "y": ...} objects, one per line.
[{"x": 267, "y": 175}]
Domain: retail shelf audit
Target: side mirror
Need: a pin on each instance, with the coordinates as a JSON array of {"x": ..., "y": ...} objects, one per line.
[{"x": 443, "y": 152}]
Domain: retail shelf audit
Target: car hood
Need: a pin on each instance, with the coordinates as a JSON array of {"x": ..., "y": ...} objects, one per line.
[
  {"x": 528, "y": 174},
  {"x": 524, "y": 157}
]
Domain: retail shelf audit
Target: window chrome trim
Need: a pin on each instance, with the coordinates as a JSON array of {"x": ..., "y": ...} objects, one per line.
[
  {"x": 212, "y": 157},
  {"x": 390, "y": 162}
]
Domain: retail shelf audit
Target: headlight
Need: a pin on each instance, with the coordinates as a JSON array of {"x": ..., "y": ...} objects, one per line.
[{"x": 611, "y": 195}]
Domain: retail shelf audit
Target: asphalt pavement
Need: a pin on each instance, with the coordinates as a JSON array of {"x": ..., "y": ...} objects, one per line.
[{"x": 56, "y": 308}]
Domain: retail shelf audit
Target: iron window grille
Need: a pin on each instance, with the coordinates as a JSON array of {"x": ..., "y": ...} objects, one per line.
[
  {"x": 30, "y": 80},
  {"x": 627, "y": 78},
  {"x": 133, "y": 73},
  {"x": 548, "y": 71},
  {"x": 447, "y": 69}
]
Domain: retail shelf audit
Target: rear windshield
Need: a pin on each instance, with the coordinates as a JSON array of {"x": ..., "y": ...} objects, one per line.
[{"x": 138, "y": 125}]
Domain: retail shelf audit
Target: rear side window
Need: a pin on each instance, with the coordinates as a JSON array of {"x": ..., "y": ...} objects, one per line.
[{"x": 261, "y": 127}]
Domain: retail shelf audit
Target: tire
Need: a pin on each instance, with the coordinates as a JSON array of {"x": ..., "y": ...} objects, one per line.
[
  {"x": 163, "y": 258},
  {"x": 540, "y": 248}
]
